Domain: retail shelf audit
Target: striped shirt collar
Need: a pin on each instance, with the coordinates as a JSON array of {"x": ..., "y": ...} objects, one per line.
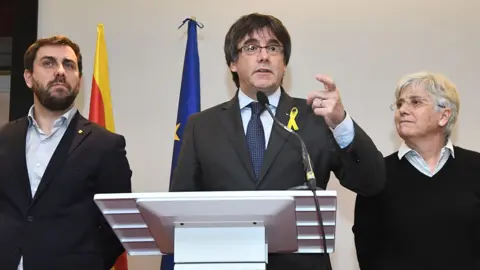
[{"x": 404, "y": 149}]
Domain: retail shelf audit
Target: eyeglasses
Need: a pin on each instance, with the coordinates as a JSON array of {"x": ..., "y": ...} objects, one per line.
[
  {"x": 412, "y": 102},
  {"x": 255, "y": 49}
]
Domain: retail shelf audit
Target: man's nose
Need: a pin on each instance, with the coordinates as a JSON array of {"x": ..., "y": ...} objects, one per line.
[
  {"x": 60, "y": 71},
  {"x": 263, "y": 55}
]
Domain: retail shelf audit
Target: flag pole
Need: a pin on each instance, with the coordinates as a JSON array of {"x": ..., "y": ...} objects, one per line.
[{"x": 188, "y": 103}]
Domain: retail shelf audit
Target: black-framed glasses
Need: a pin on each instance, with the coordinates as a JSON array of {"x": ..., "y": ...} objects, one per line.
[{"x": 255, "y": 49}]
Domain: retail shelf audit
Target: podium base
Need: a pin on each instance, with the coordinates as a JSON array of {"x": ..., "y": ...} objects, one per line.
[{"x": 221, "y": 266}]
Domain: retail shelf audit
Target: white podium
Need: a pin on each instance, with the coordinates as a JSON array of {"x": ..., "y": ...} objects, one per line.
[{"x": 221, "y": 230}]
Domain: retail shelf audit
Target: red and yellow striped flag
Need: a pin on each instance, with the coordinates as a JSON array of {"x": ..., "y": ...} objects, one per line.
[
  {"x": 101, "y": 104},
  {"x": 100, "y": 100}
]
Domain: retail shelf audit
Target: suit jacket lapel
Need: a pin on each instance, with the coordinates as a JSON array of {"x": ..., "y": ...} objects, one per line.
[
  {"x": 81, "y": 131},
  {"x": 22, "y": 192},
  {"x": 278, "y": 136},
  {"x": 77, "y": 131},
  {"x": 232, "y": 122}
]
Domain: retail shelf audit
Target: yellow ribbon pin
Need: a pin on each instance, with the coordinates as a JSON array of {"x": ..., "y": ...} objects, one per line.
[{"x": 292, "y": 124}]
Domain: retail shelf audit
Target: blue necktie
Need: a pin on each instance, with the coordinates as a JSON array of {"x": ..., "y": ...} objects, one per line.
[{"x": 256, "y": 138}]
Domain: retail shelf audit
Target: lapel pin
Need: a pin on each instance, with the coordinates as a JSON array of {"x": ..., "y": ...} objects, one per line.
[
  {"x": 80, "y": 131},
  {"x": 292, "y": 123}
]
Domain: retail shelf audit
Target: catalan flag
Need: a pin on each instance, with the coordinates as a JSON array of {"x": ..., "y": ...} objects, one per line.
[
  {"x": 188, "y": 104},
  {"x": 101, "y": 111}
]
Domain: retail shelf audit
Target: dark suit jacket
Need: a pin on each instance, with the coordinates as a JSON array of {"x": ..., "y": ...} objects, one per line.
[
  {"x": 61, "y": 227},
  {"x": 214, "y": 157}
]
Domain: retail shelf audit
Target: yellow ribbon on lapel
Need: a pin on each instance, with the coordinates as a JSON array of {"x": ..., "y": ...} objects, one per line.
[{"x": 292, "y": 124}]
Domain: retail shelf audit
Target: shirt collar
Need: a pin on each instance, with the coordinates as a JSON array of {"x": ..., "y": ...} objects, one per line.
[
  {"x": 404, "y": 149},
  {"x": 64, "y": 119},
  {"x": 245, "y": 100}
]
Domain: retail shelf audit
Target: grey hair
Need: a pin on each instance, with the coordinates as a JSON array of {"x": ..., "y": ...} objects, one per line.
[{"x": 440, "y": 88}]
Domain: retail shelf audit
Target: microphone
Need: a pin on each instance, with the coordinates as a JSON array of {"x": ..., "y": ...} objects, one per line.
[{"x": 307, "y": 165}]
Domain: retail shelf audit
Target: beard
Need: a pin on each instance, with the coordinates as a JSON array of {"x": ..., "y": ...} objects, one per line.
[{"x": 55, "y": 99}]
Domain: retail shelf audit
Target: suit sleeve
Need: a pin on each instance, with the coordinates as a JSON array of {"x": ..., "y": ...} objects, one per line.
[
  {"x": 187, "y": 171},
  {"x": 360, "y": 167},
  {"x": 114, "y": 177},
  {"x": 368, "y": 232}
]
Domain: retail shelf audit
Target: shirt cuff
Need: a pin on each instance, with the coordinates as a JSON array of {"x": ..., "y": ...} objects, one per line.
[{"x": 344, "y": 132}]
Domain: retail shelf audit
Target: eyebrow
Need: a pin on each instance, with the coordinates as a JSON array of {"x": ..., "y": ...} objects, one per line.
[
  {"x": 65, "y": 60},
  {"x": 414, "y": 96},
  {"x": 254, "y": 40}
]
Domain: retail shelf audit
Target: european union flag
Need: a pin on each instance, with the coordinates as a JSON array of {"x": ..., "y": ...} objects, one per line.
[{"x": 188, "y": 103}]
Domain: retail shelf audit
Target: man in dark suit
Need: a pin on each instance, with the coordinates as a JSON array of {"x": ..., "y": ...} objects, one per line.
[
  {"x": 53, "y": 162},
  {"x": 236, "y": 146}
]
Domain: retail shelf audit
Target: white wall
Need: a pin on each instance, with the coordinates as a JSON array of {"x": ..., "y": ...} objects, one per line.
[
  {"x": 4, "y": 107},
  {"x": 4, "y": 98},
  {"x": 365, "y": 45}
]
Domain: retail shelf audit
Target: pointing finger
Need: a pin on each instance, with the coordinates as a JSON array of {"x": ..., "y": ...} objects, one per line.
[{"x": 327, "y": 81}]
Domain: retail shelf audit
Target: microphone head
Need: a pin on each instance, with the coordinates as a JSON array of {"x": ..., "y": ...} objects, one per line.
[{"x": 262, "y": 98}]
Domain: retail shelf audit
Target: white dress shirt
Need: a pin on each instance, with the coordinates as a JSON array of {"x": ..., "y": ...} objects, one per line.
[{"x": 420, "y": 164}]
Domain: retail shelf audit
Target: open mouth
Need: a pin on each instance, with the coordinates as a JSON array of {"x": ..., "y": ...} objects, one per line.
[{"x": 263, "y": 70}]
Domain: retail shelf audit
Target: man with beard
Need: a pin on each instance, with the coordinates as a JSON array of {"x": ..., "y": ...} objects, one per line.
[
  {"x": 236, "y": 145},
  {"x": 53, "y": 162}
]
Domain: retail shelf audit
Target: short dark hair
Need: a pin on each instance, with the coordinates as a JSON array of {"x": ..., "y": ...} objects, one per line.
[
  {"x": 31, "y": 53},
  {"x": 247, "y": 25}
]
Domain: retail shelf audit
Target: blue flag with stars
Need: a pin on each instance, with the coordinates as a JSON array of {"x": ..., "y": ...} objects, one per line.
[{"x": 188, "y": 104}]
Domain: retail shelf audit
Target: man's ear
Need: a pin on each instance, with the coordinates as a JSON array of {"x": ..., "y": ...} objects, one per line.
[
  {"x": 233, "y": 66},
  {"x": 27, "y": 75}
]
